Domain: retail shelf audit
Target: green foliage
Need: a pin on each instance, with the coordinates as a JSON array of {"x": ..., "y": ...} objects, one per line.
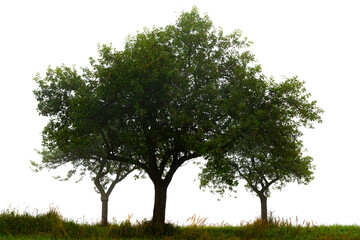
[
  {"x": 269, "y": 152},
  {"x": 167, "y": 98},
  {"x": 174, "y": 94},
  {"x": 162, "y": 95},
  {"x": 73, "y": 135}
]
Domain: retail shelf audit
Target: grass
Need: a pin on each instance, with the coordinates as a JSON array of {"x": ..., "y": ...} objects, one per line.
[{"x": 51, "y": 225}]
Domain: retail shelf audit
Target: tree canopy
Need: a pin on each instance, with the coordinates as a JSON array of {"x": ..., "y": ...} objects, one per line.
[
  {"x": 69, "y": 139},
  {"x": 167, "y": 93},
  {"x": 173, "y": 94},
  {"x": 270, "y": 153}
]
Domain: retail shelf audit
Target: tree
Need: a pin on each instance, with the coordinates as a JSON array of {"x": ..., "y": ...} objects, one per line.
[
  {"x": 269, "y": 154},
  {"x": 104, "y": 174},
  {"x": 167, "y": 87},
  {"x": 167, "y": 98},
  {"x": 68, "y": 139}
]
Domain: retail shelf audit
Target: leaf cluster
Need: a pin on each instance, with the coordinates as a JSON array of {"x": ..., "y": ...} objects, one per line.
[{"x": 269, "y": 152}]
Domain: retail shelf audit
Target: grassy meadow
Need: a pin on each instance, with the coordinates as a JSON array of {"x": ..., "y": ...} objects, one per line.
[{"x": 50, "y": 225}]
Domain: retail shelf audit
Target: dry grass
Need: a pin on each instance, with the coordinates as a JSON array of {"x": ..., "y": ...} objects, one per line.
[{"x": 196, "y": 221}]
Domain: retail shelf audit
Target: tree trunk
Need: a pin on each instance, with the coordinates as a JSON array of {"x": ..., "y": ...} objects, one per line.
[
  {"x": 104, "y": 210},
  {"x": 159, "y": 203},
  {"x": 264, "y": 211}
]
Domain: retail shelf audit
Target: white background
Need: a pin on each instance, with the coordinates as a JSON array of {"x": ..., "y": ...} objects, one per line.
[{"x": 316, "y": 40}]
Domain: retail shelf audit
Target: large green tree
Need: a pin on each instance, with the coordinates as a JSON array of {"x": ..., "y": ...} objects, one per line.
[
  {"x": 74, "y": 137},
  {"x": 173, "y": 94},
  {"x": 270, "y": 152},
  {"x": 168, "y": 88}
]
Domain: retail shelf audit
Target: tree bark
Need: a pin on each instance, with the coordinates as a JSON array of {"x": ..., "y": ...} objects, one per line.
[
  {"x": 104, "y": 210},
  {"x": 161, "y": 184},
  {"x": 263, "y": 200},
  {"x": 159, "y": 203}
]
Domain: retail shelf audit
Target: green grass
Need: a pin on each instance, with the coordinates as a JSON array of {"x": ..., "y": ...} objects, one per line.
[{"x": 48, "y": 226}]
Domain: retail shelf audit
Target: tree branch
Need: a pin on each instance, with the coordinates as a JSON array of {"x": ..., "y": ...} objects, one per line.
[
  {"x": 273, "y": 181},
  {"x": 118, "y": 179},
  {"x": 129, "y": 161},
  {"x": 97, "y": 179},
  {"x": 108, "y": 147},
  {"x": 176, "y": 164},
  {"x": 166, "y": 158}
]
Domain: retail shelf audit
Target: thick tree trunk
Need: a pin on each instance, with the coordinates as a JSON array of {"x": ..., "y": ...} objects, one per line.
[
  {"x": 104, "y": 210},
  {"x": 264, "y": 211},
  {"x": 159, "y": 203}
]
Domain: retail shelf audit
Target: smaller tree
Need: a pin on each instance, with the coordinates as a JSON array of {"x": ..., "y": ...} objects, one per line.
[
  {"x": 105, "y": 174},
  {"x": 269, "y": 154},
  {"x": 71, "y": 139}
]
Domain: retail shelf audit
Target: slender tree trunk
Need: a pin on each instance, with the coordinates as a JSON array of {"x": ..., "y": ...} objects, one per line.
[
  {"x": 264, "y": 211},
  {"x": 104, "y": 210},
  {"x": 159, "y": 203}
]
